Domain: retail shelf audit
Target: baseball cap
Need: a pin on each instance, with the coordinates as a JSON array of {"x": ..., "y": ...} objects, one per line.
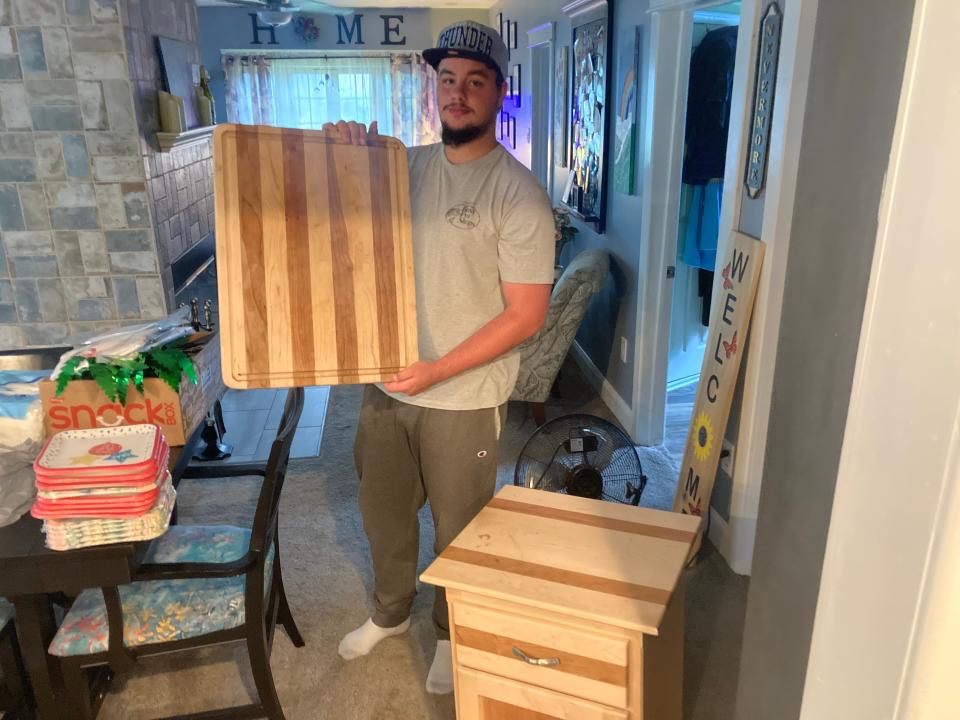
[{"x": 472, "y": 40}]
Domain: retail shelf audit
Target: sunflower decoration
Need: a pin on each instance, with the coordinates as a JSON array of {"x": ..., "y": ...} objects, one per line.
[{"x": 702, "y": 436}]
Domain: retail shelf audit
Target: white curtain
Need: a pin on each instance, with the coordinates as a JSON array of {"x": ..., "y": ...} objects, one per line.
[
  {"x": 307, "y": 92},
  {"x": 415, "y": 116},
  {"x": 398, "y": 91}
]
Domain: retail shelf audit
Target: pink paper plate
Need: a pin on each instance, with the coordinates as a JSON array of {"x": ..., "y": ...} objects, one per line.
[
  {"x": 103, "y": 478},
  {"x": 122, "y": 450}
]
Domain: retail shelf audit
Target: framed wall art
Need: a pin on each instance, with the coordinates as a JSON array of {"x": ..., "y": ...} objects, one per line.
[
  {"x": 505, "y": 119},
  {"x": 515, "y": 85},
  {"x": 625, "y": 126},
  {"x": 589, "y": 111}
]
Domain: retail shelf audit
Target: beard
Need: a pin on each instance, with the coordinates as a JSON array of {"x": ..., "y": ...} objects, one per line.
[{"x": 461, "y": 136}]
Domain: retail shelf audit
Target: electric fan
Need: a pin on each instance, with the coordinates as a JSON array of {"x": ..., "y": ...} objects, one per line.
[{"x": 582, "y": 455}]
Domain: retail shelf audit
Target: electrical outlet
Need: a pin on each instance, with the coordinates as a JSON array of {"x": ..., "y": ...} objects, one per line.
[
  {"x": 727, "y": 456},
  {"x": 623, "y": 349}
]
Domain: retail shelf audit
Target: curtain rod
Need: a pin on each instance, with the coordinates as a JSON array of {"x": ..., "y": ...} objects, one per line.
[{"x": 308, "y": 54}]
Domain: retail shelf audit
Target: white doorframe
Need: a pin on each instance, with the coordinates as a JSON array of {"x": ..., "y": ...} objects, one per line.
[
  {"x": 886, "y": 640},
  {"x": 666, "y": 82},
  {"x": 538, "y": 37},
  {"x": 663, "y": 144},
  {"x": 796, "y": 52}
]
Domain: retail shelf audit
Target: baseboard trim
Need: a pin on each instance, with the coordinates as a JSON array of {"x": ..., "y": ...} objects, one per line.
[
  {"x": 729, "y": 539},
  {"x": 618, "y": 406},
  {"x": 719, "y": 533}
]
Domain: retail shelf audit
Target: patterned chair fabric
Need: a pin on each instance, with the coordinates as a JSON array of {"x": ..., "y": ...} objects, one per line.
[
  {"x": 164, "y": 610},
  {"x": 542, "y": 355},
  {"x": 6, "y": 612}
]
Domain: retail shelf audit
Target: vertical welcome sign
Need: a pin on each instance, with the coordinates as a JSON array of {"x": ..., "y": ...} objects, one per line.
[{"x": 729, "y": 323}]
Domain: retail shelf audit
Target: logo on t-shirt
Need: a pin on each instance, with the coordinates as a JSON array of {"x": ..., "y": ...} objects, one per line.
[{"x": 463, "y": 216}]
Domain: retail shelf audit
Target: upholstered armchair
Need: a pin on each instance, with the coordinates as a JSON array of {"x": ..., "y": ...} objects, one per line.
[{"x": 542, "y": 355}]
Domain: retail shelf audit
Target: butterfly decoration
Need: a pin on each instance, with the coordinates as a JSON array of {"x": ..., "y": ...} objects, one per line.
[
  {"x": 730, "y": 348},
  {"x": 306, "y": 29},
  {"x": 727, "y": 284}
]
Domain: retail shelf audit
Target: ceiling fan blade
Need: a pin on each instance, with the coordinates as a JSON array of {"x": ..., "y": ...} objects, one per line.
[
  {"x": 248, "y": 3},
  {"x": 322, "y": 8}
]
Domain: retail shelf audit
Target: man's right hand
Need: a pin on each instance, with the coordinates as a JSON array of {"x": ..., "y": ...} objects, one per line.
[{"x": 352, "y": 132}]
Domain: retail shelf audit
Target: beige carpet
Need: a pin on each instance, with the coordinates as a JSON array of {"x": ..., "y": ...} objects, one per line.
[{"x": 328, "y": 577}]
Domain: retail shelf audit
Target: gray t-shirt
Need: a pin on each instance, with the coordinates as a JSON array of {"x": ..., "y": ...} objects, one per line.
[{"x": 474, "y": 225}]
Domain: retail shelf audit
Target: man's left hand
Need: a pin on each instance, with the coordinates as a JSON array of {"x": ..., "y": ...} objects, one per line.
[{"x": 415, "y": 378}]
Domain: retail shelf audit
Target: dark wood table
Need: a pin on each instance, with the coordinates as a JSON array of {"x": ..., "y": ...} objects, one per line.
[{"x": 30, "y": 572}]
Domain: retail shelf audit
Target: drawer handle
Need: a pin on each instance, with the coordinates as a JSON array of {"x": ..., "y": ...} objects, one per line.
[{"x": 543, "y": 662}]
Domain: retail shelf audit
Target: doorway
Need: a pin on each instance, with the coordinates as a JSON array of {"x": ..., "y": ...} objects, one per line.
[
  {"x": 706, "y": 122},
  {"x": 540, "y": 42}
]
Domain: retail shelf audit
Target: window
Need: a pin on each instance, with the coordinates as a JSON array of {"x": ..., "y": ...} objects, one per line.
[{"x": 306, "y": 92}]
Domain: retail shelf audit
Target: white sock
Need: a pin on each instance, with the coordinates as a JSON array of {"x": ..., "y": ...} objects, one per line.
[
  {"x": 440, "y": 677},
  {"x": 364, "y": 638}
]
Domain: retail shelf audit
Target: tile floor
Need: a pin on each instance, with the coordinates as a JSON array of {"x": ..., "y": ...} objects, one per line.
[{"x": 251, "y": 418}]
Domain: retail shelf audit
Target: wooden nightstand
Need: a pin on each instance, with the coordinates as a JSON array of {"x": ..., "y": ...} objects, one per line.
[{"x": 563, "y": 608}]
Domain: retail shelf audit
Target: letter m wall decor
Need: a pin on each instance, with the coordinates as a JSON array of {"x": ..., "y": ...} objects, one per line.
[{"x": 733, "y": 296}]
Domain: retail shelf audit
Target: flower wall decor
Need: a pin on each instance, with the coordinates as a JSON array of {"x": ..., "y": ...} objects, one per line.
[{"x": 305, "y": 28}]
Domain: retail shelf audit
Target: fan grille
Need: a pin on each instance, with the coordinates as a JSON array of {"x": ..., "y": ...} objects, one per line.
[{"x": 582, "y": 455}]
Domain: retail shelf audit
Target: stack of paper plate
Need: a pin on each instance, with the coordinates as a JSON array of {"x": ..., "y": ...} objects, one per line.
[{"x": 103, "y": 485}]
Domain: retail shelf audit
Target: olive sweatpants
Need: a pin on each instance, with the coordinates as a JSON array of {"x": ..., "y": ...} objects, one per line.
[{"x": 406, "y": 455}]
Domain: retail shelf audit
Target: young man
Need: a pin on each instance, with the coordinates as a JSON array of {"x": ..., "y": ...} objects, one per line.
[{"x": 483, "y": 257}]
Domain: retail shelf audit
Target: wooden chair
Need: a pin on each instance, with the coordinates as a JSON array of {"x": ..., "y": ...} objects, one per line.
[
  {"x": 199, "y": 585},
  {"x": 14, "y": 696}
]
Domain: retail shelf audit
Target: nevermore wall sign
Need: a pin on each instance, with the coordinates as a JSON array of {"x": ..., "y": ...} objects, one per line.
[{"x": 733, "y": 300}]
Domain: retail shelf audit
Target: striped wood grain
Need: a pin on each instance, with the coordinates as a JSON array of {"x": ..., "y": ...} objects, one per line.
[
  {"x": 600, "y": 561},
  {"x": 488, "y": 697},
  {"x": 315, "y": 264}
]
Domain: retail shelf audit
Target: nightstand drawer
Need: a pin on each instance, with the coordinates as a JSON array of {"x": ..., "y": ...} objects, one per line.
[
  {"x": 486, "y": 697},
  {"x": 542, "y": 653}
]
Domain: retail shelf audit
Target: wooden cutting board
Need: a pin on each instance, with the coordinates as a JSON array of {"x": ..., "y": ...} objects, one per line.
[{"x": 314, "y": 258}]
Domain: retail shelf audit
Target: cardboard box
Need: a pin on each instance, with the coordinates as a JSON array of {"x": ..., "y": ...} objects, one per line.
[{"x": 83, "y": 404}]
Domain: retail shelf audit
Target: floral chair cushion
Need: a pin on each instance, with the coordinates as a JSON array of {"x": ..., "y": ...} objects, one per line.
[
  {"x": 542, "y": 355},
  {"x": 6, "y": 613},
  {"x": 163, "y": 610}
]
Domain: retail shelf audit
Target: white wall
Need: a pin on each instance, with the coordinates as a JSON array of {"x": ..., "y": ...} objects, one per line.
[
  {"x": 886, "y": 642},
  {"x": 859, "y": 55}
]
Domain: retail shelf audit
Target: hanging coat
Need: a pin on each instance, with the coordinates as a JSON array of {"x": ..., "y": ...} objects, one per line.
[{"x": 708, "y": 106}]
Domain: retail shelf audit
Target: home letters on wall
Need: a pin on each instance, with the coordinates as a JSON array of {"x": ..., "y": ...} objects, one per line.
[
  {"x": 349, "y": 32},
  {"x": 733, "y": 300}
]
